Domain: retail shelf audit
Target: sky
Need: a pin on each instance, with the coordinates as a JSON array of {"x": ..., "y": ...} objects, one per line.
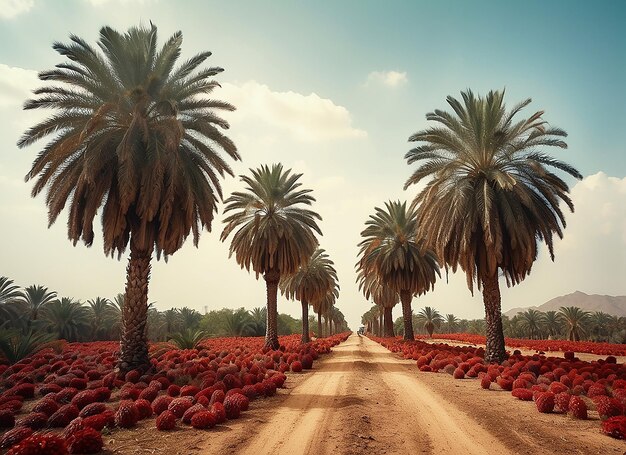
[{"x": 333, "y": 90}]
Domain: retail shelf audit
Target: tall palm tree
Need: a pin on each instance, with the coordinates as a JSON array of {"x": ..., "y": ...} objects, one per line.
[
  {"x": 339, "y": 320},
  {"x": 274, "y": 233},
  {"x": 491, "y": 196},
  {"x": 552, "y": 323},
  {"x": 575, "y": 321},
  {"x": 135, "y": 137},
  {"x": 383, "y": 296},
  {"x": 35, "y": 298},
  {"x": 451, "y": 322},
  {"x": 101, "y": 315},
  {"x": 67, "y": 318},
  {"x": 322, "y": 306},
  {"x": 391, "y": 250},
  {"x": 430, "y": 319},
  {"x": 532, "y": 321},
  {"x": 311, "y": 282}
]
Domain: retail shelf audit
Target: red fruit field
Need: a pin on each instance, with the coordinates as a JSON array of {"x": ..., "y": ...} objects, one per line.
[
  {"x": 561, "y": 385},
  {"x": 61, "y": 402},
  {"x": 591, "y": 347}
]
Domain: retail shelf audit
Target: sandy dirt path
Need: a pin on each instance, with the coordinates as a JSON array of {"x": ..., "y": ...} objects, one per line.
[{"x": 363, "y": 399}]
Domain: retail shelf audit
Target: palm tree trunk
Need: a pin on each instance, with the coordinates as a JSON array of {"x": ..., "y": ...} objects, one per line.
[
  {"x": 133, "y": 342},
  {"x": 388, "y": 319},
  {"x": 330, "y": 325},
  {"x": 494, "y": 352},
  {"x": 305, "y": 322},
  {"x": 326, "y": 325},
  {"x": 272, "y": 277},
  {"x": 319, "y": 325},
  {"x": 407, "y": 314}
]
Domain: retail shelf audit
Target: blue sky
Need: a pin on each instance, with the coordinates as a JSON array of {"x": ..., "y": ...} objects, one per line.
[{"x": 334, "y": 89}]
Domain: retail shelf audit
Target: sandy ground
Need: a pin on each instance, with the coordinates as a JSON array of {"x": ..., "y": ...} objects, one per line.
[{"x": 364, "y": 399}]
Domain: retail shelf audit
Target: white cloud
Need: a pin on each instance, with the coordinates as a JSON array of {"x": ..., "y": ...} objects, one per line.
[
  {"x": 16, "y": 85},
  {"x": 308, "y": 118},
  {"x": 11, "y": 8},
  {"x": 389, "y": 78}
]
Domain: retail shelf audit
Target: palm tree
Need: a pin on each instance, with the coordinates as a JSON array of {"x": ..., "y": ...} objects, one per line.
[
  {"x": 369, "y": 319},
  {"x": 10, "y": 298},
  {"x": 430, "y": 319},
  {"x": 274, "y": 232},
  {"x": 476, "y": 326},
  {"x": 312, "y": 281},
  {"x": 615, "y": 325},
  {"x": 171, "y": 320},
  {"x": 136, "y": 138},
  {"x": 258, "y": 318},
  {"x": 598, "y": 325},
  {"x": 189, "y": 318},
  {"x": 117, "y": 309},
  {"x": 383, "y": 296},
  {"x": 451, "y": 322},
  {"x": 339, "y": 320},
  {"x": 238, "y": 323},
  {"x": 322, "y": 307},
  {"x": 532, "y": 321},
  {"x": 67, "y": 318},
  {"x": 16, "y": 345},
  {"x": 101, "y": 315},
  {"x": 574, "y": 320},
  {"x": 188, "y": 338},
  {"x": 552, "y": 323},
  {"x": 155, "y": 322},
  {"x": 491, "y": 197},
  {"x": 390, "y": 250},
  {"x": 34, "y": 299}
]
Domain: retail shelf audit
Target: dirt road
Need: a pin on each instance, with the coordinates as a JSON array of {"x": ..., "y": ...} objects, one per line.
[{"x": 362, "y": 399}]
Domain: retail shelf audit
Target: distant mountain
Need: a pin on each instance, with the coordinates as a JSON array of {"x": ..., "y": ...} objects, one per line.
[{"x": 615, "y": 305}]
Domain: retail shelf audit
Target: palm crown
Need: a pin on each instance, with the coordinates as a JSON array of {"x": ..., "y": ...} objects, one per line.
[
  {"x": 492, "y": 195},
  {"x": 134, "y": 135},
  {"x": 273, "y": 231},
  {"x": 312, "y": 280}
]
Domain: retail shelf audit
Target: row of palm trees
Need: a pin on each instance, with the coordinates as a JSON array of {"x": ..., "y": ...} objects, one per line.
[
  {"x": 36, "y": 308},
  {"x": 490, "y": 197},
  {"x": 570, "y": 323},
  {"x": 33, "y": 316},
  {"x": 139, "y": 138}
]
